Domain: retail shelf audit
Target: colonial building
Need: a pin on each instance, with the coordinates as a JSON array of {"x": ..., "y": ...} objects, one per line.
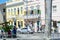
[
  {"x": 14, "y": 12},
  {"x": 23, "y": 13}
]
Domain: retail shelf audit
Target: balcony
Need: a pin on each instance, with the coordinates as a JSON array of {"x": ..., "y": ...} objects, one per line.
[
  {"x": 31, "y": 16},
  {"x": 10, "y": 16}
]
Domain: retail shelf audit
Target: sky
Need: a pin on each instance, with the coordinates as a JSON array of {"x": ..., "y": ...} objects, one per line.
[{"x": 2, "y": 1}]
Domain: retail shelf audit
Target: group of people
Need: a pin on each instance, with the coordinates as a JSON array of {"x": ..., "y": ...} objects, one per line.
[{"x": 9, "y": 33}]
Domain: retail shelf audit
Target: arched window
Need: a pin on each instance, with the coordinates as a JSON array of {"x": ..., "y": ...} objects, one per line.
[
  {"x": 14, "y": 10},
  {"x": 31, "y": 11},
  {"x": 18, "y": 11}
]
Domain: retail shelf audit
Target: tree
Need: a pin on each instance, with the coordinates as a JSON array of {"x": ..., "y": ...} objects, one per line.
[{"x": 7, "y": 27}]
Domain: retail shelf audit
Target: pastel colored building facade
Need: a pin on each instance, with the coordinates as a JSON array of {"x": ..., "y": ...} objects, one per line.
[
  {"x": 25, "y": 12},
  {"x": 14, "y": 12}
]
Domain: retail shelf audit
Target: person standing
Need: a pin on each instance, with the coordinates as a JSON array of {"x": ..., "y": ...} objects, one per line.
[
  {"x": 2, "y": 33},
  {"x": 14, "y": 32},
  {"x": 9, "y": 34}
]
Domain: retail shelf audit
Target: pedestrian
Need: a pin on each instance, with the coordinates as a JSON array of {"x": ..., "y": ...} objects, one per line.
[
  {"x": 2, "y": 33},
  {"x": 41, "y": 29},
  {"x": 14, "y": 32},
  {"x": 9, "y": 34},
  {"x": 37, "y": 28}
]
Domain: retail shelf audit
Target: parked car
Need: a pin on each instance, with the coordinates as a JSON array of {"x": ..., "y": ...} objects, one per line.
[
  {"x": 19, "y": 30},
  {"x": 29, "y": 30},
  {"x": 24, "y": 31}
]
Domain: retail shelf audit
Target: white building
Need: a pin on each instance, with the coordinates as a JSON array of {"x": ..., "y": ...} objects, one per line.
[
  {"x": 56, "y": 10},
  {"x": 2, "y": 12}
]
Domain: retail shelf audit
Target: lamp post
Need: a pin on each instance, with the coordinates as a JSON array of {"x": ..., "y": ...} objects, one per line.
[{"x": 48, "y": 17}]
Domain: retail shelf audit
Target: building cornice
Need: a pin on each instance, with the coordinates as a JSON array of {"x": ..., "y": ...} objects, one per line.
[{"x": 14, "y": 4}]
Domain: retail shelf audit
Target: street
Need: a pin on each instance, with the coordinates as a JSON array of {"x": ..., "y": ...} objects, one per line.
[
  {"x": 31, "y": 36},
  {"x": 35, "y": 36}
]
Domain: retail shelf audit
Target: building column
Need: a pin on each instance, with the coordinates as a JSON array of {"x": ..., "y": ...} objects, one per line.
[
  {"x": 16, "y": 24},
  {"x": 23, "y": 24},
  {"x": 13, "y": 23},
  {"x": 35, "y": 27},
  {"x": 10, "y": 23}
]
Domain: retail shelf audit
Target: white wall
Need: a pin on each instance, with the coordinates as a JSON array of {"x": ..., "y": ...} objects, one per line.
[
  {"x": 56, "y": 14},
  {"x": 42, "y": 7}
]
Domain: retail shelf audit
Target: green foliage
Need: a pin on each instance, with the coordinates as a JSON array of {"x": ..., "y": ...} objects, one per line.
[
  {"x": 7, "y": 27},
  {"x": 0, "y": 27},
  {"x": 11, "y": 26}
]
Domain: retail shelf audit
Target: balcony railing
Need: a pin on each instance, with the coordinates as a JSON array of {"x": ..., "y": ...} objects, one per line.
[
  {"x": 25, "y": 16},
  {"x": 31, "y": 16},
  {"x": 10, "y": 16}
]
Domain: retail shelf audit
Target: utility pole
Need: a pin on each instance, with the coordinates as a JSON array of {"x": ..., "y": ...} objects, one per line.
[{"x": 48, "y": 18}]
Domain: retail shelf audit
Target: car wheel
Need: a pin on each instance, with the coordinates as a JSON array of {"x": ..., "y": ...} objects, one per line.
[{"x": 31, "y": 33}]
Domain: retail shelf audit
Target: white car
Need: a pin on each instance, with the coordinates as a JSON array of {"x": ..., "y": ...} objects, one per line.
[
  {"x": 25, "y": 31},
  {"x": 18, "y": 30}
]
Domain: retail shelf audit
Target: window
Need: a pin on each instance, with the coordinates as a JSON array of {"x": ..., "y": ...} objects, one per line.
[
  {"x": 4, "y": 10},
  {"x": 26, "y": 12},
  {"x": 8, "y": 10},
  {"x": 18, "y": 11},
  {"x": 54, "y": 8},
  {"x": 38, "y": 6},
  {"x": 35, "y": 11},
  {"x": 14, "y": 10},
  {"x": 31, "y": 12},
  {"x": 55, "y": 24},
  {"x": 18, "y": 24},
  {"x": 11, "y": 10},
  {"x": 32, "y": 7},
  {"x": 38, "y": 11}
]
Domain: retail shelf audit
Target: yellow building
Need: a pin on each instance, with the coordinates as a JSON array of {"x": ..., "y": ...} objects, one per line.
[
  {"x": 14, "y": 12},
  {"x": 23, "y": 13}
]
